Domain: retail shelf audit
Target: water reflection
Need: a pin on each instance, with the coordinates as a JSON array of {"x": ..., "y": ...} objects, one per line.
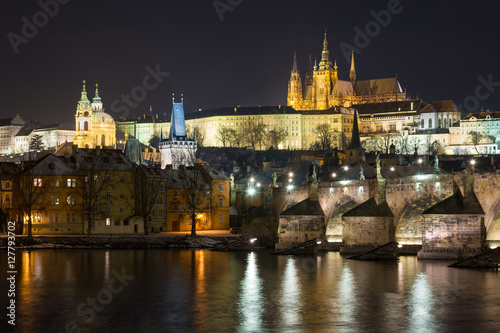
[
  {"x": 421, "y": 303},
  {"x": 290, "y": 294},
  {"x": 347, "y": 297},
  {"x": 251, "y": 301}
]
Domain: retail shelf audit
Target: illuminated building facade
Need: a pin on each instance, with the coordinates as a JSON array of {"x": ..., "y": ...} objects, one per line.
[
  {"x": 94, "y": 127},
  {"x": 322, "y": 88}
]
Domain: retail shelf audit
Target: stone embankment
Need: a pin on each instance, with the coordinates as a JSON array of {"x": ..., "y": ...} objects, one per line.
[{"x": 115, "y": 242}]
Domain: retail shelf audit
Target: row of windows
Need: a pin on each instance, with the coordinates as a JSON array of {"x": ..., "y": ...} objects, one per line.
[{"x": 54, "y": 200}]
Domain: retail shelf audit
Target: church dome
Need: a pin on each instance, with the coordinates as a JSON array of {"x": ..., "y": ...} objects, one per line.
[{"x": 102, "y": 117}]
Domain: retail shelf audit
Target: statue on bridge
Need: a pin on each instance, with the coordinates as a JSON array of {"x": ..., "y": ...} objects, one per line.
[
  {"x": 361, "y": 173},
  {"x": 275, "y": 177},
  {"x": 314, "y": 177},
  {"x": 379, "y": 169},
  {"x": 436, "y": 164}
]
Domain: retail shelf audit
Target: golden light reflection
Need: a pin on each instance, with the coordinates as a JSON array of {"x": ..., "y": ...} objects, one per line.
[
  {"x": 421, "y": 303},
  {"x": 106, "y": 265},
  {"x": 290, "y": 294},
  {"x": 251, "y": 299},
  {"x": 347, "y": 297}
]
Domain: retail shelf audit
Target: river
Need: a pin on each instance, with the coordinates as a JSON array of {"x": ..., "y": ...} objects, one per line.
[{"x": 204, "y": 291}]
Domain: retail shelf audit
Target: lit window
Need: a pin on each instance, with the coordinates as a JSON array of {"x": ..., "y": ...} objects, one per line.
[
  {"x": 108, "y": 221},
  {"x": 56, "y": 182},
  {"x": 37, "y": 182},
  {"x": 57, "y": 200},
  {"x": 221, "y": 202},
  {"x": 71, "y": 182},
  {"x": 221, "y": 218}
]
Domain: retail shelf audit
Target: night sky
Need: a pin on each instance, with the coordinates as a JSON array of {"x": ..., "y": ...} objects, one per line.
[{"x": 437, "y": 48}]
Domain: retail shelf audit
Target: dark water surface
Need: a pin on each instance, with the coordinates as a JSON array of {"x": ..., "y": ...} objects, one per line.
[{"x": 204, "y": 291}]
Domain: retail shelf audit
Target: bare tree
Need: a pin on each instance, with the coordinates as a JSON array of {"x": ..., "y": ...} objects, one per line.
[
  {"x": 325, "y": 137},
  {"x": 224, "y": 135},
  {"x": 195, "y": 192},
  {"x": 475, "y": 138},
  {"x": 96, "y": 179},
  {"x": 254, "y": 131},
  {"x": 200, "y": 134},
  {"x": 147, "y": 188},
  {"x": 276, "y": 136},
  {"x": 28, "y": 188}
]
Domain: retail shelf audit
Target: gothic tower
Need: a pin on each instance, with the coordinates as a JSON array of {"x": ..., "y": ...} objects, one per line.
[
  {"x": 294, "y": 98},
  {"x": 178, "y": 149},
  {"x": 352, "y": 73},
  {"x": 324, "y": 79}
]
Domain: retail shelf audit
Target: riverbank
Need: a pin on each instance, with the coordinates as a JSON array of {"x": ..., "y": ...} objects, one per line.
[{"x": 117, "y": 242}]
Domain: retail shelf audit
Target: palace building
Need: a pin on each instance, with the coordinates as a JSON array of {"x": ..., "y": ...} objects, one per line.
[
  {"x": 322, "y": 88},
  {"x": 94, "y": 127}
]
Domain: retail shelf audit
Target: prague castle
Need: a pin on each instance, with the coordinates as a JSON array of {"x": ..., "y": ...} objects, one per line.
[{"x": 322, "y": 89}]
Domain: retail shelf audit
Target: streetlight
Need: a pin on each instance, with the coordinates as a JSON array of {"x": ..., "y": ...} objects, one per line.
[
  {"x": 392, "y": 168},
  {"x": 290, "y": 174},
  {"x": 346, "y": 168},
  {"x": 419, "y": 164},
  {"x": 472, "y": 162}
]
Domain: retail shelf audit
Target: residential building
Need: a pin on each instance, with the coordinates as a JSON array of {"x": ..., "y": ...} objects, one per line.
[{"x": 197, "y": 190}]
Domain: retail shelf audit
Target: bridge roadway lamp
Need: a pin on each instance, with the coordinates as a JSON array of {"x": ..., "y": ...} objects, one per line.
[
  {"x": 472, "y": 162},
  {"x": 419, "y": 164}
]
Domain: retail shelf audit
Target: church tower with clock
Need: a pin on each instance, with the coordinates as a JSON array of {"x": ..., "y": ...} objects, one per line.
[{"x": 94, "y": 127}]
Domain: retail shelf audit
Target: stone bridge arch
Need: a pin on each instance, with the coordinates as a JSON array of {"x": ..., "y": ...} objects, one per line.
[
  {"x": 409, "y": 225},
  {"x": 334, "y": 219},
  {"x": 492, "y": 224}
]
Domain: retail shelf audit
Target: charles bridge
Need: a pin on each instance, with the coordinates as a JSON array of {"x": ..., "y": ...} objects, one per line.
[{"x": 408, "y": 193}]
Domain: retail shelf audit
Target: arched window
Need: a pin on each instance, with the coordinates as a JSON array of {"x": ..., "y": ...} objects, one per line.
[
  {"x": 451, "y": 123},
  {"x": 422, "y": 124},
  {"x": 86, "y": 126},
  {"x": 439, "y": 122},
  {"x": 103, "y": 140},
  {"x": 430, "y": 123}
]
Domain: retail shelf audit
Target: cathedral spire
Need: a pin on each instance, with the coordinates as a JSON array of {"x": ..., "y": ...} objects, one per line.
[
  {"x": 84, "y": 103},
  {"x": 355, "y": 141},
  {"x": 309, "y": 74},
  {"x": 294, "y": 67},
  {"x": 352, "y": 73},
  {"x": 84, "y": 93},
  {"x": 325, "y": 56}
]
